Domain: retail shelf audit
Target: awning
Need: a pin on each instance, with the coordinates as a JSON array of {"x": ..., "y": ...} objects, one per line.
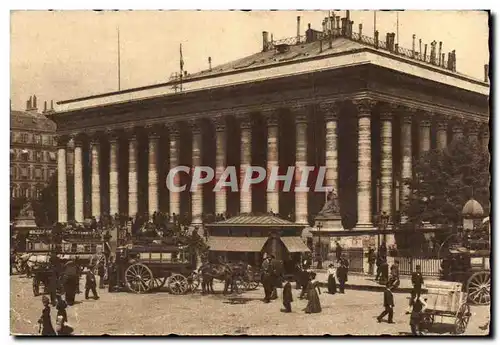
[
  {"x": 236, "y": 244},
  {"x": 294, "y": 244}
]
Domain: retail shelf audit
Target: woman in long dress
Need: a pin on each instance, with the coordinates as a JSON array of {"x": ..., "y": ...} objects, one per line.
[
  {"x": 313, "y": 292},
  {"x": 332, "y": 279}
]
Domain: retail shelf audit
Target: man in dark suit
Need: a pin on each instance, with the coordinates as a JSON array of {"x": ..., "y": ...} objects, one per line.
[
  {"x": 90, "y": 284},
  {"x": 342, "y": 272},
  {"x": 417, "y": 280},
  {"x": 287, "y": 297},
  {"x": 388, "y": 305}
]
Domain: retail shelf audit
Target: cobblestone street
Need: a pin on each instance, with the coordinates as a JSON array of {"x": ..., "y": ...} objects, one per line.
[{"x": 162, "y": 314}]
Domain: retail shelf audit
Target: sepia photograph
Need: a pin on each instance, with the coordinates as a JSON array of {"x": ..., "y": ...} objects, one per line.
[{"x": 250, "y": 172}]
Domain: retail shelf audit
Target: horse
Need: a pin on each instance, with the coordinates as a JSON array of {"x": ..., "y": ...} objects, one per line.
[{"x": 227, "y": 272}]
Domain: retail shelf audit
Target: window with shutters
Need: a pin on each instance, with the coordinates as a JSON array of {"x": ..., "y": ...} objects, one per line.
[
  {"x": 38, "y": 173},
  {"x": 24, "y": 172},
  {"x": 38, "y": 156}
]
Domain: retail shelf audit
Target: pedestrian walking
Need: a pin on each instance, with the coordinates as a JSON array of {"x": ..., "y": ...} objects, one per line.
[
  {"x": 287, "y": 296},
  {"x": 90, "y": 284},
  {"x": 388, "y": 306},
  {"x": 419, "y": 306},
  {"x": 395, "y": 268},
  {"x": 45, "y": 321},
  {"x": 342, "y": 273},
  {"x": 53, "y": 286},
  {"x": 61, "y": 309},
  {"x": 418, "y": 281},
  {"x": 371, "y": 260},
  {"x": 338, "y": 251},
  {"x": 313, "y": 292},
  {"x": 101, "y": 273},
  {"x": 332, "y": 279},
  {"x": 112, "y": 274}
]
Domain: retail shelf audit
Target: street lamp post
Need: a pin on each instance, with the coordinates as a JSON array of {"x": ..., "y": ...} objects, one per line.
[
  {"x": 320, "y": 252},
  {"x": 384, "y": 222}
]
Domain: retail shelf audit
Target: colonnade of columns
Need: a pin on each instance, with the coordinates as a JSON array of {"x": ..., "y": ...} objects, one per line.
[{"x": 331, "y": 112}]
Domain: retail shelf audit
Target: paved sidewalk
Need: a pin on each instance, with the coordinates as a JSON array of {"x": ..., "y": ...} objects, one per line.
[{"x": 367, "y": 283}]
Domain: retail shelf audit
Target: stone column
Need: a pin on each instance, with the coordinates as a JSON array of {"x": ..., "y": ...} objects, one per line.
[
  {"x": 153, "y": 194},
  {"x": 113, "y": 174},
  {"x": 406, "y": 159},
  {"x": 442, "y": 134},
  {"x": 386, "y": 173},
  {"x": 425, "y": 135},
  {"x": 458, "y": 130},
  {"x": 272, "y": 197},
  {"x": 62, "y": 191},
  {"x": 245, "y": 162},
  {"x": 174, "y": 197},
  {"x": 78, "y": 179},
  {"x": 330, "y": 112},
  {"x": 301, "y": 211},
  {"x": 220, "y": 163},
  {"x": 364, "y": 108},
  {"x": 133, "y": 183},
  {"x": 485, "y": 137},
  {"x": 197, "y": 195},
  {"x": 95, "y": 178}
]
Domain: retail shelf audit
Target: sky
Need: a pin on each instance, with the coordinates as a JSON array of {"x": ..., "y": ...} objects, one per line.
[{"x": 62, "y": 55}]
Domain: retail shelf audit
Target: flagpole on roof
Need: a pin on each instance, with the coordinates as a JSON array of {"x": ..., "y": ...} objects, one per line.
[
  {"x": 119, "y": 72},
  {"x": 374, "y": 22},
  {"x": 181, "y": 65}
]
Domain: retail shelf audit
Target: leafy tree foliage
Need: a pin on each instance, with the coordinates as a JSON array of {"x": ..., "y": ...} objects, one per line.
[
  {"x": 444, "y": 180},
  {"x": 46, "y": 207}
]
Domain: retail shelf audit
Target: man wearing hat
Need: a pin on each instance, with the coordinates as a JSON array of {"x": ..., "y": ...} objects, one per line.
[
  {"x": 266, "y": 277},
  {"x": 45, "y": 321},
  {"x": 90, "y": 284}
]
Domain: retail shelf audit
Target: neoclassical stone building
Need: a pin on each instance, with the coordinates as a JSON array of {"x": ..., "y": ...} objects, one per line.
[{"x": 362, "y": 107}]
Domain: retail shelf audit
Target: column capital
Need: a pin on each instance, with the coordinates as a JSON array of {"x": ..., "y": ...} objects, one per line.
[
  {"x": 245, "y": 121},
  {"x": 271, "y": 115},
  {"x": 194, "y": 126},
  {"x": 407, "y": 118},
  {"x": 364, "y": 106},
  {"x": 458, "y": 125},
  {"x": 387, "y": 110},
  {"x": 62, "y": 140},
  {"x": 219, "y": 123},
  {"x": 442, "y": 124},
  {"x": 130, "y": 132},
  {"x": 425, "y": 122},
  {"x": 173, "y": 129},
  {"x": 473, "y": 127},
  {"x": 330, "y": 110},
  {"x": 153, "y": 131},
  {"x": 112, "y": 136},
  {"x": 298, "y": 109},
  {"x": 78, "y": 139}
]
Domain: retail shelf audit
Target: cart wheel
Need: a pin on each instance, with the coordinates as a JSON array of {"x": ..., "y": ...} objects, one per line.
[
  {"x": 138, "y": 278},
  {"x": 36, "y": 287},
  {"x": 193, "y": 281},
  {"x": 478, "y": 288},
  {"x": 158, "y": 283},
  {"x": 462, "y": 318},
  {"x": 177, "y": 284}
]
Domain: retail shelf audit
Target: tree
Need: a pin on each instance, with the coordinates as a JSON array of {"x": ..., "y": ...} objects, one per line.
[
  {"x": 445, "y": 179},
  {"x": 16, "y": 205},
  {"x": 45, "y": 208}
]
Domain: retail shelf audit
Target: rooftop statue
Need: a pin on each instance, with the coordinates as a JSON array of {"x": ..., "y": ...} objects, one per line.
[{"x": 331, "y": 206}]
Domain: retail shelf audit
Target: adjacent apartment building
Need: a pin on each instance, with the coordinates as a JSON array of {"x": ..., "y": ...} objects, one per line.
[{"x": 32, "y": 150}]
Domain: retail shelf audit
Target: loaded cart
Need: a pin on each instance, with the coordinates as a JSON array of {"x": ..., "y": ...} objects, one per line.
[{"x": 446, "y": 300}]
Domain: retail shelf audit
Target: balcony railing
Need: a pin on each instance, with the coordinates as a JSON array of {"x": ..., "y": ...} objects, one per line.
[{"x": 366, "y": 40}]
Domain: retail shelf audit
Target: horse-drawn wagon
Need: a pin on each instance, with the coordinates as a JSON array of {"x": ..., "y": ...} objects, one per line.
[
  {"x": 468, "y": 261},
  {"x": 148, "y": 267}
]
